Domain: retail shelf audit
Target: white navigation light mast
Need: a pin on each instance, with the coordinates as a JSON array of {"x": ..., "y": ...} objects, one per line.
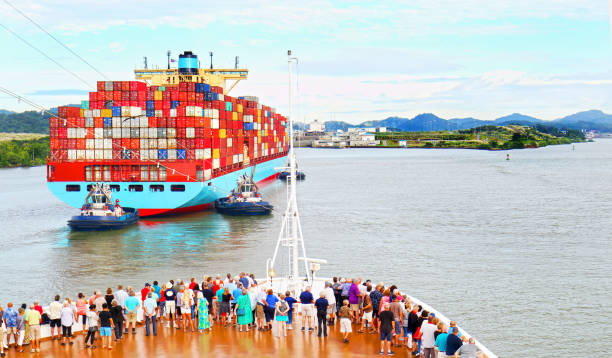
[{"x": 290, "y": 235}]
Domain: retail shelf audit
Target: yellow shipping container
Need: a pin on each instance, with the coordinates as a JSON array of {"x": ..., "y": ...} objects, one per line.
[
  {"x": 239, "y": 108},
  {"x": 216, "y": 153},
  {"x": 106, "y": 113},
  {"x": 234, "y": 116},
  {"x": 258, "y": 112},
  {"x": 158, "y": 95},
  {"x": 82, "y": 113},
  {"x": 222, "y": 133}
]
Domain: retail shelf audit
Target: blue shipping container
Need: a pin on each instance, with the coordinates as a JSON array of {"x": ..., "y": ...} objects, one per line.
[
  {"x": 162, "y": 154},
  {"x": 174, "y": 104},
  {"x": 181, "y": 154},
  {"x": 116, "y": 111},
  {"x": 150, "y": 104},
  {"x": 150, "y": 112},
  {"x": 108, "y": 105}
]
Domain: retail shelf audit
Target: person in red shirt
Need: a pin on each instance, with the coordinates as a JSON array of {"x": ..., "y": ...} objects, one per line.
[
  {"x": 193, "y": 283},
  {"x": 145, "y": 291},
  {"x": 38, "y": 307}
]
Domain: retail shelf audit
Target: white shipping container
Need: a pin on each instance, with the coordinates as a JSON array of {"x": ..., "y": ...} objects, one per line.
[
  {"x": 229, "y": 142},
  {"x": 108, "y": 143},
  {"x": 215, "y": 123},
  {"x": 152, "y": 154},
  {"x": 240, "y": 157},
  {"x": 108, "y": 154},
  {"x": 152, "y": 143},
  {"x": 171, "y": 143},
  {"x": 207, "y": 153},
  {"x": 96, "y": 113},
  {"x": 117, "y": 133},
  {"x": 159, "y": 113},
  {"x": 136, "y": 111},
  {"x": 144, "y": 154},
  {"x": 71, "y": 133},
  {"x": 134, "y": 123},
  {"x": 125, "y": 123},
  {"x": 207, "y": 174},
  {"x": 72, "y": 154},
  {"x": 220, "y": 97},
  {"x": 235, "y": 158},
  {"x": 207, "y": 112},
  {"x": 90, "y": 143},
  {"x": 162, "y": 143},
  {"x": 171, "y": 132},
  {"x": 216, "y": 164},
  {"x": 125, "y": 133},
  {"x": 125, "y": 111},
  {"x": 144, "y": 144},
  {"x": 197, "y": 111},
  {"x": 116, "y": 122},
  {"x": 172, "y": 154},
  {"x": 80, "y": 154},
  {"x": 152, "y": 133},
  {"x": 199, "y": 154},
  {"x": 89, "y": 154},
  {"x": 99, "y": 154},
  {"x": 144, "y": 133},
  {"x": 173, "y": 112},
  {"x": 190, "y": 132},
  {"x": 87, "y": 113},
  {"x": 144, "y": 122},
  {"x": 81, "y": 132}
]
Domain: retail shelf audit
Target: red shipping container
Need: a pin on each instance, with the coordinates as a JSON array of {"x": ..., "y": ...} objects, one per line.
[
  {"x": 161, "y": 122},
  {"x": 150, "y": 96},
  {"x": 189, "y": 143},
  {"x": 125, "y": 143},
  {"x": 171, "y": 123},
  {"x": 116, "y": 144},
  {"x": 180, "y": 122},
  {"x": 54, "y": 143},
  {"x": 101, "y": 85},
  {"x": 166, "y": 112},
  {"x": 189, "y": 122},
  {"x": 152, "y": 122},
  {"x": 180, "y": 132},
  {"x": 181, "y": 111},
  {"x": 158, "y": 105},
  {"x": 180, "y": 143},
  {"x": 182, "y": 96},
  {"x": 190, "y": 154},
  {"x": 199, "y": 97},
  {"x": 191, "y": 86},
  {"x": 174, "y": 96},
  {"x": 134, "y": 143},
  {"x": 166, "y": 95},
  {"x": 142, "y": 96},
  {"x": 166, "y": 104}
]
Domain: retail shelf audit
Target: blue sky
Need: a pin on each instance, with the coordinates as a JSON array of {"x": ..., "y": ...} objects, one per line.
[{"x": 358, "y": 60}]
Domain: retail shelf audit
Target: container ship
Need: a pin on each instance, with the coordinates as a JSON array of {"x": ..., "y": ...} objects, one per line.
[{"x": 172, "y": 141}]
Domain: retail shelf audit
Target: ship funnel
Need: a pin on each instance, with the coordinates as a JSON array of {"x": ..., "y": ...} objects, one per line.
[{"x": 188, "y": 63}]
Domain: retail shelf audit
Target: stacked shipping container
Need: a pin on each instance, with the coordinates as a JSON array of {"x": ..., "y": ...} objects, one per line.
[{"x": 189, "y": 123}]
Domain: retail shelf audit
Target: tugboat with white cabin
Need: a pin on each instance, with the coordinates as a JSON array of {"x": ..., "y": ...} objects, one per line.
[{"x": 99, "y": 213}]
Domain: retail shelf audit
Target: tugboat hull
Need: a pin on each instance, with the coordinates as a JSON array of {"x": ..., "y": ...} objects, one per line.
[
  {"x": 91, "y": 223},
  {"x": 223, "y": 206}
]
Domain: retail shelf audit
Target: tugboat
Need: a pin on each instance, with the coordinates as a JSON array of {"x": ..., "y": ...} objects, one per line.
[
  {"x": 101, "y": 214},
  {"x": 244, "y": 200},
  {"x": 285, "y": 174}
]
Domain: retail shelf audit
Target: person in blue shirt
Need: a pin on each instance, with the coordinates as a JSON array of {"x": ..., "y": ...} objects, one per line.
[
  {"x": 307, "y": 300},
  {"x": 290, "y": 300},
  {"x": 236, "y": 294},
  {"x": 321, "y": 304},
  {"x": 131, "y": 308},
  {"x": 270, "y": 303},
  {"x": 453, "y": 342},
  {"x": 10, "y": 320},
  {"x": 244, "y": 280},
  {"x": 441, "y": 340}
]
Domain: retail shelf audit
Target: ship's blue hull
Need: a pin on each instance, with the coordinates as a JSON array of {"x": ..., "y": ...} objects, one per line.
[{"x": 151, "y": 201}]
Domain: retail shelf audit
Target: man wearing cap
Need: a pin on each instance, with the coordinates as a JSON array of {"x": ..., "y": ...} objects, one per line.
[
  {"x": 145, "y": 291},
  {"x": 170, "y": 295}
]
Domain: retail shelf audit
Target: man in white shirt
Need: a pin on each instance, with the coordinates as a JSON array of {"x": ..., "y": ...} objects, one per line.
[
  {"x": 428, "y": 339},
  {"x": 120, "y": 296},
  {"x": 149, "y": 306},
  {"x": 331, "y": 299},
  {"x": 55, "y": 314}
]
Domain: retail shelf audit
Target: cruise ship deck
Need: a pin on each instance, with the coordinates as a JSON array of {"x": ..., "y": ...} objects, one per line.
[{"x": 223, "y": 342}]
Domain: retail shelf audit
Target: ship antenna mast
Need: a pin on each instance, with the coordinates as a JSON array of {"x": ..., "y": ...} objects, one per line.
[{"x": 290, "y": 234}]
